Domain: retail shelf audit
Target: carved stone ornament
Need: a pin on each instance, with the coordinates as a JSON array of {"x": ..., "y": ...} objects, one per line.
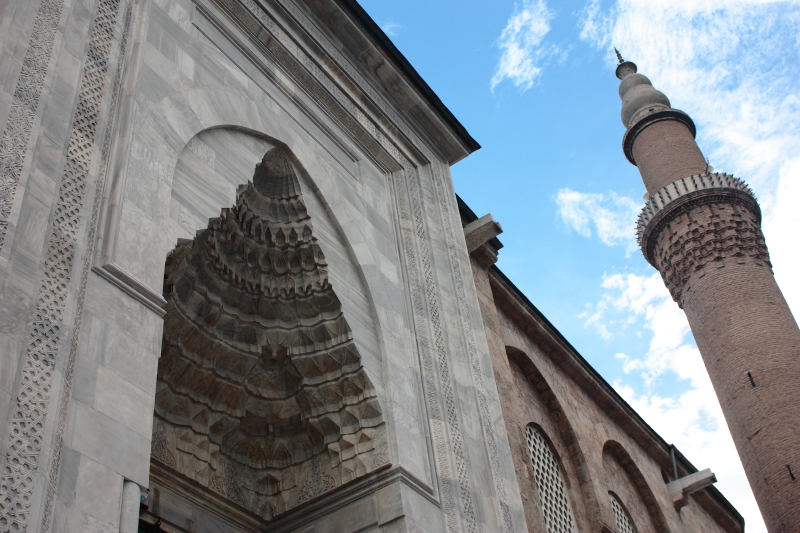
[
  {"x": 21, "y": 117},
  {"x": 261, "y": 393},
  {"x": 30, "y": 409},
  {"x": 447, "y": 431},
  {"x": 698, "y": 221}
]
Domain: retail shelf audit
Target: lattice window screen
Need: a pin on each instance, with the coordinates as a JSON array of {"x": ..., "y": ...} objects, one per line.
[
  {"x": 552, "y": 491},
  {"x": 624, "y": 522}
]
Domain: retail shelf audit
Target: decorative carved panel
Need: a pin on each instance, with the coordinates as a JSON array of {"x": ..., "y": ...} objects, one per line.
[{"x": 261, "y": 393}]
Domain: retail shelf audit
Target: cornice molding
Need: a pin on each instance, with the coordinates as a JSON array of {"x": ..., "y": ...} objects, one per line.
[
  {"x": 246, "y": 521},
  {"x": 665, "y": 201},
  {"x": 131, "y": 286}
]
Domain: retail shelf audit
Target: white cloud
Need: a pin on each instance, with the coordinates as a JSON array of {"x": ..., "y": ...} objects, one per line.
[
  {"x": 731, "y": 64},
  {"x": 635, "y": 296},
  {"x": 392, "y": 29},
  {"x": 523, "y": 53},
  {"x": 693, "y": 419},
  {"x": 610, "y": 216}
]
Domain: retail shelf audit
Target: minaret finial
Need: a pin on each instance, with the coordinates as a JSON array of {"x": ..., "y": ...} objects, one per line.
[{"x": 619, "y": 56}]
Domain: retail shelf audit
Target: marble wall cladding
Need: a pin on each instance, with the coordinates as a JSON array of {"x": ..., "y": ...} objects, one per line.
[
  {"x": 347, "y": 198},
  {"x": 198, "y": 100}
]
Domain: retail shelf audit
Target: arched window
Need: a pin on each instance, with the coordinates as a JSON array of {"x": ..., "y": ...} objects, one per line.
[
  {"x": 624, "y": 522},
  {"x": 557, "y": 511}
]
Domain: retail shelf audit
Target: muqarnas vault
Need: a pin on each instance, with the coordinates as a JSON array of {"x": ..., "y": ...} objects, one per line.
[{"x": 260, "y": 385}]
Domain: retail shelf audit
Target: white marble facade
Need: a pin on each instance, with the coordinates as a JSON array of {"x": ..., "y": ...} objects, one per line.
[{"x": 128, "y": 124}]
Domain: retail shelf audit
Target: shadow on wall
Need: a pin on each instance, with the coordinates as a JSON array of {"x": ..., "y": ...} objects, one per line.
[{"x": 262, "y": 397}]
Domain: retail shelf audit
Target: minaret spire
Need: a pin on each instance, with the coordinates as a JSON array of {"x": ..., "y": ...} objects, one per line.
[{"x": 702, "y": 231}]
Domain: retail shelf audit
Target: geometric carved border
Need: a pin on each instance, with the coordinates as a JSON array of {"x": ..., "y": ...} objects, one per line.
[
  {"x": 472, "y": 349},
  {"x": 33, "y": 400},
  {"x": 69, "y": 367},
  {"x": 17, "y": 135},
  {"x": 429, "y": 366}
]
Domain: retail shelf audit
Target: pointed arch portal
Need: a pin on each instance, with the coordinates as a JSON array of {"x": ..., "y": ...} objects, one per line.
[{"x": 261, "y": 396}]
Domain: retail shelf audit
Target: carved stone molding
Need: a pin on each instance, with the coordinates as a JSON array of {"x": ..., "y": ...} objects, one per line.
[
  {"x": 427, "y": 291},
  {"x": 33, "y": 400},
  {"x": 448, "y": 438},
  {"x": 69, "y": 368},
  {"x": 131, "y": 286},
  {"x": 261, "y": 394},
  {"x": 17, "y": 135},
  {"x": 298, "y": 519},
  {"x": 697, "y": 222}
]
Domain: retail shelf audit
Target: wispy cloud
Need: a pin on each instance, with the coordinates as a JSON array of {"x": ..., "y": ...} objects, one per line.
[
  {"x": 392, "y": 29},
  {"x": 609, "y": 216},
  {"x": 521, "y": 43},
  {"x": 631, "y": 296},
  {"x": 691, "y": 419},
  {"x": 618, "y": 311},
  {"x": 732, "y": 65}
]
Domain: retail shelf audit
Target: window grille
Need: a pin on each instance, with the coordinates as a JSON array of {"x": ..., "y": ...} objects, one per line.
[
  {"x": 624, "y": 522},
  {"x": 557, "y": 511}
]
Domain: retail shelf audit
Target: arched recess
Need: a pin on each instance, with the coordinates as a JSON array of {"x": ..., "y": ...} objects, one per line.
[
  {"x": 585, "y": 495},
  {"x": 136, "y": 231},
  {"x": 551, "y": 481},
  {"x": 625, "y": 480},
  {"x": 625, "y": 523},
  {"x": 262, "y": 396}
]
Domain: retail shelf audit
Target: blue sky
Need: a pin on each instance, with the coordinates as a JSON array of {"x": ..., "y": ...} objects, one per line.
[{"x": 533, "y": 82}]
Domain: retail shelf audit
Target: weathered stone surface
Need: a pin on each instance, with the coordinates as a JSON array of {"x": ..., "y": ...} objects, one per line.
[
  {"x": 261, "y": 393},
  {"x": 295, "y": 378}
]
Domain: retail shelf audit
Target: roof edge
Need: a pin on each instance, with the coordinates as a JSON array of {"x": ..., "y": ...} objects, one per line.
[{"x": 362, "y": 18}]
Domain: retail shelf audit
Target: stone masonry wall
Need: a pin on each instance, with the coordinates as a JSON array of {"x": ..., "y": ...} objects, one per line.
[
  {"x": 588, "y": 439},
  {"x": 714, "y": 260}
]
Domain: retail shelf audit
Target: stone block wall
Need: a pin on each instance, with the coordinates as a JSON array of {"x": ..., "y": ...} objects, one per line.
[
  {"x": 114, "y": 112},
  {"x": 602, "y": 446}
]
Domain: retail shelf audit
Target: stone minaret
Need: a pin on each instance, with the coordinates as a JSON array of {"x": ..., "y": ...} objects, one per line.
[{"x": 702, "y": 231}]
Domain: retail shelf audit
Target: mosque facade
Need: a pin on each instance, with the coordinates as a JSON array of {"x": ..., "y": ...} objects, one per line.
[{"x": 239, "y": 293}]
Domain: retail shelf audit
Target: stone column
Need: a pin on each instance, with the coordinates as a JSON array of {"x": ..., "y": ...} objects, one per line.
[
  {"x": 702, "y": 231},
  {"x": 129, "y": 514}
]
